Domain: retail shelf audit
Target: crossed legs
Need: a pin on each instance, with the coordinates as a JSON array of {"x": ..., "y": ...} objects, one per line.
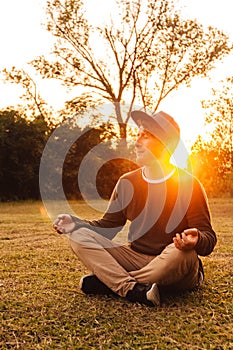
[{"x": 120, "y": 267}]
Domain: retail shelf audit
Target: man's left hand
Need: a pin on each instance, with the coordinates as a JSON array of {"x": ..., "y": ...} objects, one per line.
[{"x": 186, "y": 240}]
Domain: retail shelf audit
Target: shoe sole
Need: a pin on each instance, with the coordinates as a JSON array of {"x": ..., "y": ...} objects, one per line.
[{"x": 153, "y": 295}]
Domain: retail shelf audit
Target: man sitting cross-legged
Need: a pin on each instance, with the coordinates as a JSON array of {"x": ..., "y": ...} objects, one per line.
[{"x": 170, "y": 224}]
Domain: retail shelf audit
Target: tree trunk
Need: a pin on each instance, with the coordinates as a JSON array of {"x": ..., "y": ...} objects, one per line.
[
  {"x": 123, "y": 130},
  {"x": 122, "y": 125}
]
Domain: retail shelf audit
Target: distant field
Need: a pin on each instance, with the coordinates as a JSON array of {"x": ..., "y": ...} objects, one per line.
[{"x": 42, "y": 307}]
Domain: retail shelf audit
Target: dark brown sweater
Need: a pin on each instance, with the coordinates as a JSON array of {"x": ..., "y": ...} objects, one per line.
[{"x": 157, "y": 211}]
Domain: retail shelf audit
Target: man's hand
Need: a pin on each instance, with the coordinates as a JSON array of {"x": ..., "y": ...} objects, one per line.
[
  {"x": 64, "y": 224},
  {"x": 187, "y": 240}
]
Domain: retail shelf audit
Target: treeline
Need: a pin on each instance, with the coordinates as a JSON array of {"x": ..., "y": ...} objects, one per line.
[
  {"x": 95, "y": 159},
  {"x": 22, "y": 143},
  {"x": 22, "y": 146}
]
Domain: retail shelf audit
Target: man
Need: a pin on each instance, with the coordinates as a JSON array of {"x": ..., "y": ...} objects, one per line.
[{"x": 170, "y": 224}]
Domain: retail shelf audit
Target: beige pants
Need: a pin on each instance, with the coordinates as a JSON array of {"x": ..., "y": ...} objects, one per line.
[{"x": 120, "y": 267}]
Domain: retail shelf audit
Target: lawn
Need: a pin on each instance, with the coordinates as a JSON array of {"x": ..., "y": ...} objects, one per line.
[{"x": 42, "y": 307}]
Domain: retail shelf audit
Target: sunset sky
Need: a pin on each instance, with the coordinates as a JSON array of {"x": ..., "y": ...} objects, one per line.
[{"x": 23, "y": 38}]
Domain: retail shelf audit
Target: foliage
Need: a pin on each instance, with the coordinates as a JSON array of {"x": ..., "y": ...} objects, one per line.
[
  {"x": 213, "y": 157},
  {"x": 101, "y": 137},
  {"x": 91, "y": 157},
  {"x": 220, "y": 117},
  {"x": 28, "y": 146},
  {"x": 109, "y": 173},
  {"x": 22, "y": 143},
  {"x": 42, "y": 306},
  {"x": 208, "y": 166}
]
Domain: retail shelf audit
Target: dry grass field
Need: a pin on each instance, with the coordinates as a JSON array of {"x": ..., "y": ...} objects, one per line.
[{"x": 42, "y": 307}]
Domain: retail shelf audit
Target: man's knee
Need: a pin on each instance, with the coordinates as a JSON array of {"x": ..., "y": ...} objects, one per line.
[
  {"x": 188, "y": 257},
  {"x": 89, "y": 238},
  {"x": 81, "y": 236}
]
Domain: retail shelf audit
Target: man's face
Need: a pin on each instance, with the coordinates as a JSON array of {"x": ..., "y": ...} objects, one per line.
[{"x": 148, "y": 148}]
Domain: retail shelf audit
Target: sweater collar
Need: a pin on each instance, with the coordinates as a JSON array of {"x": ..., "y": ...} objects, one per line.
[{"x": 157, "y": 181}]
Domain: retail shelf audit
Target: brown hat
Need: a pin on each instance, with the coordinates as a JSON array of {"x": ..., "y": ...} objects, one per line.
[{"x": 161, "y": 125}]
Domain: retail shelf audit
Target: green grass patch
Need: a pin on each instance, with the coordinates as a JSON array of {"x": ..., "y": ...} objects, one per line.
[{"x": 42, "y": 307}]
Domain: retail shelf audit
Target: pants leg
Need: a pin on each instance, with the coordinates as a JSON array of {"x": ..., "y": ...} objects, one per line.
[
  {"x": 119, "y": 267},
  {"x": 95, "y": 251},
  {"x": 172, "y": 270}
]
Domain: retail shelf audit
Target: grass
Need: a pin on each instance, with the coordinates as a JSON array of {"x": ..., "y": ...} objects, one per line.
[{"x": 42, "y": 307}]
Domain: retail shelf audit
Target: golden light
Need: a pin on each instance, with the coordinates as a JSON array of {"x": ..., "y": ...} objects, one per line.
[{"x": 43, "y": 212}]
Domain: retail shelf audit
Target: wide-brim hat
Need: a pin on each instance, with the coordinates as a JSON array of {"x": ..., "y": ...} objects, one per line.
[{"x": 161, "y": 125}]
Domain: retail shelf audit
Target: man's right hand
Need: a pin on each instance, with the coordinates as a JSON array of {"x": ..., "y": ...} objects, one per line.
[{"x": 64, "y": 224}]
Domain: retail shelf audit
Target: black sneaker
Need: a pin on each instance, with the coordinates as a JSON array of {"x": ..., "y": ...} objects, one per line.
[
  {"x": 90, "y": 284},
  {"x": 144, "y": 294}
]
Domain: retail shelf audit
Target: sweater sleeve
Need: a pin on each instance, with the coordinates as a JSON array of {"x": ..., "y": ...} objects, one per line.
[
  {"x": 198, "y": 216},
  {"x": 113, "y": 219}
]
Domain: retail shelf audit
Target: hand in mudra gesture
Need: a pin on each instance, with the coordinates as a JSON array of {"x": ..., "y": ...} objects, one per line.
[
  {"x": 187, "y": 240},
  {"x": 64, "y": 224}
]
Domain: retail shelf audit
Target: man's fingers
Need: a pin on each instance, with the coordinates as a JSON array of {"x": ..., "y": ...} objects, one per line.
[
  {"x": 181, "y": 241},
  {"x": 184, "y": 238},
  {"x": 59, "y": 229},
  {"x": 62, "y": 223},
  {"x": 61, "y": 216},
  {"x": 191, "y": 231},
  {"x": 178, "y": 241},
  {"x": 56, "y": 222},
  {"x": 59, "y": 220}
]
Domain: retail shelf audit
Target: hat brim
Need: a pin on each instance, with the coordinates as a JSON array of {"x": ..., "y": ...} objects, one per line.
[
  {"x": 139, "y": 117},
  {"x": 161, "y": 125},
  {"x": 143, "y": 119}
]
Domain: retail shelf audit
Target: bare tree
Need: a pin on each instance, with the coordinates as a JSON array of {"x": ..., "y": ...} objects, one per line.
[
  {"x": 35, "y": 104},
  {"x": 145, "y": 51}
]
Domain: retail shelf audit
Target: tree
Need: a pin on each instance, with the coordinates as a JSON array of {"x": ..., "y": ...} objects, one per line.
[
  {"x": 100, "y": 136},
  {"x": 215, "y": 154},
  {"x": 22, "y": 143},
  {"x": 148, "y": 50},
  {"x": 34, "y": 105}
]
